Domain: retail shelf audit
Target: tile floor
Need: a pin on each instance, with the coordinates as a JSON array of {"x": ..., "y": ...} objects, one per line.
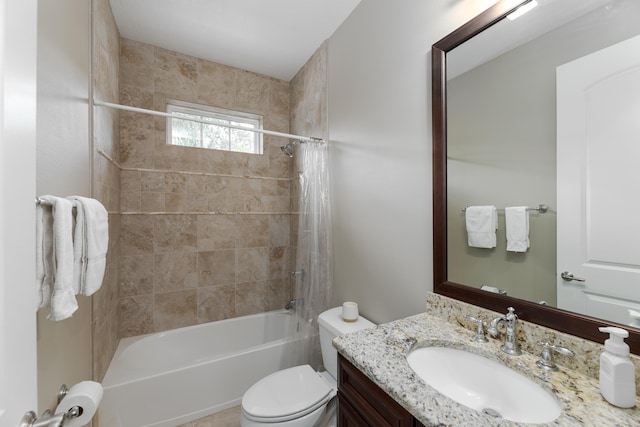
[{"x": 227, "y": 418}]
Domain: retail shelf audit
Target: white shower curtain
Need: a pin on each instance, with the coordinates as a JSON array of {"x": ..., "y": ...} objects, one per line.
[{"x": 314, "y": 250}]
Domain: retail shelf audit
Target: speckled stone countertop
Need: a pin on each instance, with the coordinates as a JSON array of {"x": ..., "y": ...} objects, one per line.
[{"x": 380, "y": 354}]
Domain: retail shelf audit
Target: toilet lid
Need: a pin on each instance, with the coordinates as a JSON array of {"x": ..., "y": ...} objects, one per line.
[{"x": 287, "y": 394}]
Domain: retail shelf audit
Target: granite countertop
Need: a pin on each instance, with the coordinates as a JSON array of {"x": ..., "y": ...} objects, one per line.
[{"x": 380, "y": 354}]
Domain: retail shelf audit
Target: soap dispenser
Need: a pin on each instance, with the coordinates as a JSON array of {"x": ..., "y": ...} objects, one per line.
[{"x": 617, "y": 373}]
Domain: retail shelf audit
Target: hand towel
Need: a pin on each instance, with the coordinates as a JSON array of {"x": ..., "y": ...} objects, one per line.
[
  {"x": 482, "y": 223},
  {"x": 90, "y": 244},
  {"x": 63, "y": 300},
  {"x": 517, "y": 228},
  {"x": 44, "y": 253}
]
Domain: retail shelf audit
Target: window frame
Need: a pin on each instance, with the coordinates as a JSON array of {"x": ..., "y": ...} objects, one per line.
[{"x": 215, "y": 113}]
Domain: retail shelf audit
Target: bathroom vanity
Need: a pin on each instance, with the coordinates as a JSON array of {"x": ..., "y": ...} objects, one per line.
[
  {"x": 377, "y": 387},
  {"x": 362, "y": 403}
]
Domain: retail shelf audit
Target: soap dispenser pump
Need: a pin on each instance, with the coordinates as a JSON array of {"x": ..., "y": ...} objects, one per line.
[{"x": 617, "y": 373}]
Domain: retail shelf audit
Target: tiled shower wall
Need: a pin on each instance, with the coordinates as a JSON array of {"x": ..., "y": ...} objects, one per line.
[
  {"x": 205, "y": 234},
  {"x": 308, "y": 100},
  {"x": 105, "y": 324}
]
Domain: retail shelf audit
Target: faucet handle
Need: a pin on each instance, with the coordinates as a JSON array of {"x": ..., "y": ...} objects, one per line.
[
  {"x": 546, "y": 357},
  {"x": 480, "y": 325}
]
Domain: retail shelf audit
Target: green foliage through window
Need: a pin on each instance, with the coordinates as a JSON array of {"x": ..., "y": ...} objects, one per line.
[{"x": 189, "y": 133}]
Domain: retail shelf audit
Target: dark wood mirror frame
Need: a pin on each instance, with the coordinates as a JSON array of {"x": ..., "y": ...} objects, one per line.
[{"x": 564, "y": 321}]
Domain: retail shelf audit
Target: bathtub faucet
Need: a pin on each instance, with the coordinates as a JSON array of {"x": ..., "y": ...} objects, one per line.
[
  {"x": 300, "y": 274},
  {"x": 293, "y": 303}
]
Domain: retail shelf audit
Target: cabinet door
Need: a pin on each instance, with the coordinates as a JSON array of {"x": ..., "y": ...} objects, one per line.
[
  {"x": 347, "y": 415},
  {"x": 374, "y": 406}
]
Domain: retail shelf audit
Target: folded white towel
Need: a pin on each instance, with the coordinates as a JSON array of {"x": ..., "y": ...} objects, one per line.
[
  {"x": 517, "y": 228},
  {"x": 44, "y": 253},
  {"x": 63, "y": 300},
  {"x": 90, "y": 244},
  {"x": 482, "y": 223}
]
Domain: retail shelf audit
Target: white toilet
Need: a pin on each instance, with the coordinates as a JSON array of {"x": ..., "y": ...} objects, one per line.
[{"x": 298, "y": 396}]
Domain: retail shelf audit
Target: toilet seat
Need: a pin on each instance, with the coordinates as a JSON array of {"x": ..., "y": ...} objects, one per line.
[{"x": 286, "y": 395}]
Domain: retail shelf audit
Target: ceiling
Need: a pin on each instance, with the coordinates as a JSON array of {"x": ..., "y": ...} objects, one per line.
[
  {"x": 271, "y": 37},
  {"x": 507, "y": 34}
]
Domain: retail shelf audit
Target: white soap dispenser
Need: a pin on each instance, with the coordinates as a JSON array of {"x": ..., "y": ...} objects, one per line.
[{"x": 617, "y": 373}]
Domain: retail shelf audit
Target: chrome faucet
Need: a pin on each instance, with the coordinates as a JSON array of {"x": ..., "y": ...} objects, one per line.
[
  {"x": 546, "y": 357},
  {"x": 480, "y": 325},
  {"x": 510, "y": 340}
]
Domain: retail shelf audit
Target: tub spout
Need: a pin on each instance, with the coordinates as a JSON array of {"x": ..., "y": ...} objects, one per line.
[{"x": 293, "y": 303}]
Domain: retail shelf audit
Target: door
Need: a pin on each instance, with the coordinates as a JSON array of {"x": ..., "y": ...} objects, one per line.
[
  {"x": 598, "y": 171},
  {"x": 18, "y": 20}
]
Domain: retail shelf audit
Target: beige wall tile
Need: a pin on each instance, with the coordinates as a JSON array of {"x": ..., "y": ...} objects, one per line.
[
  {"x": 252, "y": 264},
  {"x": 130, "y": 201},
  {"x": 136, "y": 315},
  {"x": 253, "y": 92},
  {"x": 136, "y": 275},
  {"x": 278, "y": 262},
  {"x": 175, "y": 74},
  {"x": 216, "y": 232},
  {"x": 279, "y": 293},
  {"x": 152, "y": 181},
  {"x": 279, "y": 226},
  {"x": 175, "y": 271},
  {"x": 253, "y": 231},
  {"x": 175, "y": 233},
  {"x": 252, "y": 297},
  {"x": 130, "y": 181},
  {"x": 216, "y": 84},
  {"x": 152, "y": 202},
  {"x": 230, "y": 258},
  {"x": 216, "y": 303},
  {"x": 136, "y": 235},
  {"x": 136, "y": 64},
  {"x": 174, "y": 310},
  {"x": 216, "y": 268}
]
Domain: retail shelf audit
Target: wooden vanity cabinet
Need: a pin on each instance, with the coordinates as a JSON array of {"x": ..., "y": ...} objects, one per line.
[{"x": 361, "y": 403}]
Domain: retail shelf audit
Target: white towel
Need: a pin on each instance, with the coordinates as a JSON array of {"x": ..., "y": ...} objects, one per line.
[
  {"x": 517, "y": 228},
  {"x": 90, "y": 244},
  {"x": 44, "y": 254},
  {"x": 482, "y": 223},
  {"x": 63, "y": 300}
]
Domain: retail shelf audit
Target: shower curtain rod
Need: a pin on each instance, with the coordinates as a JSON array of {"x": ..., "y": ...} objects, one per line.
[{"x": 173, "y": 116}]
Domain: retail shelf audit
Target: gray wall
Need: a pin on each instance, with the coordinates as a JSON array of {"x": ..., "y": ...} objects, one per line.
[
  {"x": 380, "y": 133},
  {"x": 63, "y": 169}
]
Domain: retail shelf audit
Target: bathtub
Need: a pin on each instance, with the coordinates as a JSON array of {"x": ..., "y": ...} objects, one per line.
[{"x": 168, "y": 378}]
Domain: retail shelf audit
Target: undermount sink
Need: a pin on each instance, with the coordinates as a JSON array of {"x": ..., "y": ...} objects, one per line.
[{"x": 484, "y": 385}]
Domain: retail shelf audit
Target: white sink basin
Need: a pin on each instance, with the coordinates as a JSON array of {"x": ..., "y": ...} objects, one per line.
[{"x": 484, "y": 385}]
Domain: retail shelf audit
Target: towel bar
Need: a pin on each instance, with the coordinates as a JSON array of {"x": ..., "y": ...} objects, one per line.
[
  {"x": 542, "y": 208},
  {"x": 43, "y": 202}
]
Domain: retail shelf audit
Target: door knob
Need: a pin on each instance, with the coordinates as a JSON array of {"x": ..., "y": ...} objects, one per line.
[{"x": 569, "y": 277}]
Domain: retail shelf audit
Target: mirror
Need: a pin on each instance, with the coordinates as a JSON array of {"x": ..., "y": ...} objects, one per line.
[{"x": 498, "y": 147}]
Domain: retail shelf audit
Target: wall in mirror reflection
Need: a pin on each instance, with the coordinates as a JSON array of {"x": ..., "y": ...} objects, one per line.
[{"x": 501, "y": 148}]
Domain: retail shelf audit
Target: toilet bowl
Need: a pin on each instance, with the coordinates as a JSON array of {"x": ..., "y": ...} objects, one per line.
[{"x": 298, "y": 396}]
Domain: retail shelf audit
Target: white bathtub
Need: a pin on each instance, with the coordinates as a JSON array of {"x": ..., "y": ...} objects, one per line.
[{"x": 169, "y": 378}]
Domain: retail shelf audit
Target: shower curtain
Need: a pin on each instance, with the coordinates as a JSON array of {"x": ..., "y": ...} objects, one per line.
[{"x": 313, "y": 281}]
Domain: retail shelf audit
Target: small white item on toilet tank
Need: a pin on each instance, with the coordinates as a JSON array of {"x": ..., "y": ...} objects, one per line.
[{"x": 350, "y": 311}]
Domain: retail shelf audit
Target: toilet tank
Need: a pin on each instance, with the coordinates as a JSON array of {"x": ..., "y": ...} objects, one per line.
[{"x": 331, "y": 325}]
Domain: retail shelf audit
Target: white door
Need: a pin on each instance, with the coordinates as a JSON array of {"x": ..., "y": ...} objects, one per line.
[
  {"x": 18, "y": 20},
  {"x": 598, "y": 164}
]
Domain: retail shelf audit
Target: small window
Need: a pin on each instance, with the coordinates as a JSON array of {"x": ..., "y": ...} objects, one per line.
[{"x": 189, "y": 133}]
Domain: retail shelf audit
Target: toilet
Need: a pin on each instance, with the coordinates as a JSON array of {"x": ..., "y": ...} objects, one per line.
[{"x": 298, "y": 396}]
